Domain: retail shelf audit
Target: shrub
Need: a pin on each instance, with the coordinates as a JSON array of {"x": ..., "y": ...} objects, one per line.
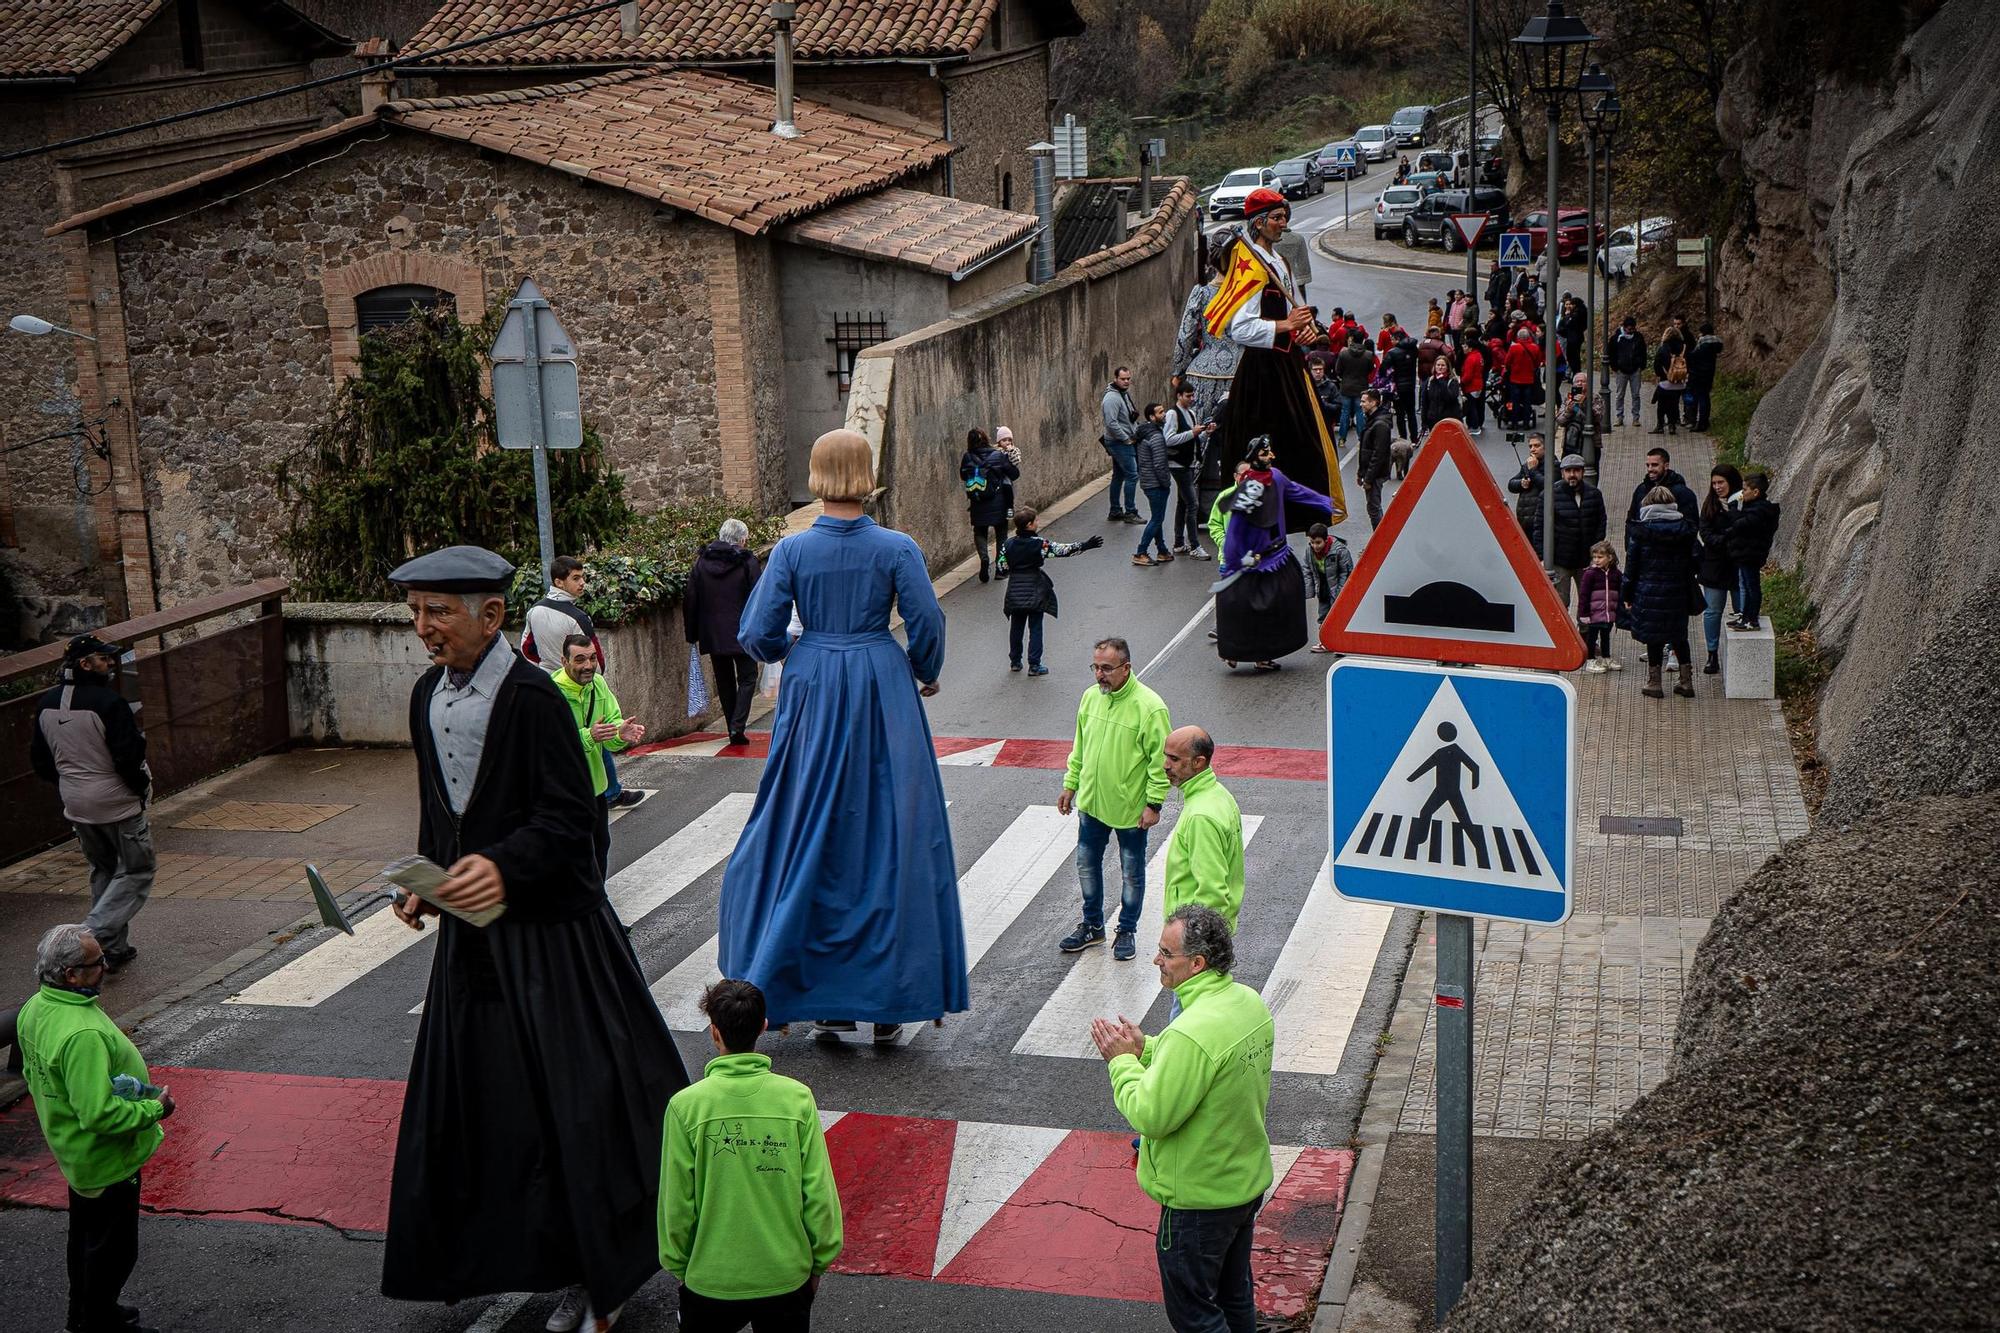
[
  {"x": 1803, "y": 665},
  {"x": 646, "y": 565},
  {"x": 1731, "y": 406},
  {"x": 1310, "y": 29}
]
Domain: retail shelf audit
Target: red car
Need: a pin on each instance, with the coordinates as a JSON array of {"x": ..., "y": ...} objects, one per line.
[{"x": 1571, "y": 233}]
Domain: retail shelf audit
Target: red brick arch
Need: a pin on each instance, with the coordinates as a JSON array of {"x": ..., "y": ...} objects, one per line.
[{"x": 465, "y": 282}]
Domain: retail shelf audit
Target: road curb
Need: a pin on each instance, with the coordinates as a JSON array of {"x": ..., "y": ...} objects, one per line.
[{"x": 1421, "y": 261}]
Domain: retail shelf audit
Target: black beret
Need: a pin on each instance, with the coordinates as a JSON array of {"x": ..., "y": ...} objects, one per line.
[{"x": 456, "y": 569}]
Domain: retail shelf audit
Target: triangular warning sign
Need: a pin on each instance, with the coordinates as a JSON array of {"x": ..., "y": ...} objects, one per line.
[
  {"x": 1471, "y": 226},
  {"x": 1449, "y": 576},
  {"x": 1444, "y": 811}
]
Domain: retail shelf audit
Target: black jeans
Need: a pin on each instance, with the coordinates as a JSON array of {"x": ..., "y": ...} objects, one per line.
[
  {"x": 1666, "y": 410},
  {"x": 1373, "y": 491},
  {"x": 789, "y": 1313},
  {"x": 1187, "y": 515},
  {"x": 600, "y": 838},
  {"x": 1597, "y": 639},
  {"x": 1406, "y": 412},
  {"x": 1031, "y": 621},
  {"x": 986, "y": 537},
  {"x": 1204, "y": 1257},
  {"x": 1697, "y": 409},
  {"x": 735, "y": 687},
  {"x": 103, "y": 1249}
]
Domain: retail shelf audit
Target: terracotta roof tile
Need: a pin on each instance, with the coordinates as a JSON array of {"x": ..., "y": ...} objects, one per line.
[
  {"x": 718, "y": 31},
  {"x": 926, "y": 231},
  {"x": 696, "y": 140},
  {"x": 61, "y": 39}
]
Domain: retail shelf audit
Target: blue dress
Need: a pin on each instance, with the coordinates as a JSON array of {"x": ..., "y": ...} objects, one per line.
[{"x": 841, "y": 899}]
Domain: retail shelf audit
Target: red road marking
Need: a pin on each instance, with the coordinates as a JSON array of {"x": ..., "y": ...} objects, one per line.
[
  {"x": 892, "y": 1171},
  {"x": 1295, "y": 1228}
]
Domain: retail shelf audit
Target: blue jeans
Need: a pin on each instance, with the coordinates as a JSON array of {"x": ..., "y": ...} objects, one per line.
[
  {"x": 1350, "y": 415},
  {"x": 1155, "y": 530},
  {"x": 1031, "y": 621},
  {"x": 1711, "y": 616},
  {"x": 1749, "y": 592},
  {"x": 1124, "y": 478},
  {"x": 613, "y": 789},
  {"x": 1204, "y": 1257},
  {"x": 1092, "y": 836}
]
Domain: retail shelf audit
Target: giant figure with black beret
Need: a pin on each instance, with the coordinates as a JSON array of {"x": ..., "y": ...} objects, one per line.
[{"x": 529, "y": 1151}]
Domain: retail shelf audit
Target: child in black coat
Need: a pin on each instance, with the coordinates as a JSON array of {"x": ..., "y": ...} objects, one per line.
[
  {"x": 1749, "y": 541},
  {"x": 1030, "y": 592}
]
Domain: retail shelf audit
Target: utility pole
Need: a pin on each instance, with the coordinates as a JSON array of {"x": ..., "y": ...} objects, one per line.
[{"x": 1472, "y": 143}]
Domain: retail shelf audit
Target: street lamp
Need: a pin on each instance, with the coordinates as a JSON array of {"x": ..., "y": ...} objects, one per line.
[
  {"x": 35, "y": 328},
  {"x": 1547, "y": 45},
  {"x": 1592, "y": 87}
]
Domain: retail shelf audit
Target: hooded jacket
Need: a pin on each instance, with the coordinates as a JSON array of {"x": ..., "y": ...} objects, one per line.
[
  {"x": 1684, "y": 500},
  {"x": 87, "y": 742},
  {"x": 1660, "y": 575},
  {"x": 1752, "y": 533},
  {"x": 1625, "y": 351},
  {"x": 718, "y": 588},
  {"x": 1371, "y": 463},
  {"x": 1580, "y": 522}
]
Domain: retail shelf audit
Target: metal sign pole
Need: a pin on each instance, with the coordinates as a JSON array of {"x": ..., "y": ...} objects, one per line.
[
  {"x": 1471, "y": 181},
  {"x": 544, "y": 523},
  {"x": 1346, "y": 209},
  {"x": 1454, "y": 1110},
  {"x": 1552, "y": 389}
]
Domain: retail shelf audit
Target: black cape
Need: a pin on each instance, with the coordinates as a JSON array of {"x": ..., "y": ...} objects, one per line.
[
  {"x": 1272, "y": 394},
  {"x": 529, "y": 1153}
]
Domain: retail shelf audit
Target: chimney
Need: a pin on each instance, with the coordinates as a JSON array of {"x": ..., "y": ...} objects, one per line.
[
  {"x": 782, "y": 12},
  {"x": 378, "y": 85},
  {"x": 1044, "y": 266},
  {"x": 628, "y": 19}
]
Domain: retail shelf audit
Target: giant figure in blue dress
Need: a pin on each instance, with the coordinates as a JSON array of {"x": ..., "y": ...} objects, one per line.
[{"x": 841, "y": 899}]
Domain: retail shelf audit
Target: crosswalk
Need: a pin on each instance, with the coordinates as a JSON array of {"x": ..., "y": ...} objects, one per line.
[{"x": 1023, "y": 877}]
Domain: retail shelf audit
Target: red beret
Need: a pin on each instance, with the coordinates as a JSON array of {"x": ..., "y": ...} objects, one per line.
[{"x": 1262, "y": 200}]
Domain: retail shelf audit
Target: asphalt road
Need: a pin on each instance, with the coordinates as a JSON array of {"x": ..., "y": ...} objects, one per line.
[{"x": 978, "y": 1067}]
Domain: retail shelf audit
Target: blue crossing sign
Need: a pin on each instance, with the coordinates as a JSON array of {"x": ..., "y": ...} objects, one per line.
[
  {"x": 1452, "y": 789},
  {"x": 1343, "y": 155},
  {"x": 1517, "y": 249}
]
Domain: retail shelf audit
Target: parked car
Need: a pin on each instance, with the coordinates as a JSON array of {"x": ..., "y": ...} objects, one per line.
[
  {"x": 1429, "y": 223},
  {"x": 1415, "y": 125},
  {"x": 1391, "y": 206},
  {"x": 1572, "y": 232},
  {"x": 1428, "y": 181},
  {"x": 1235, "y": 188},
  {"x": 1618, "y": 257},
  {"x": 1297, "y": 178},
  {"x": 1328, "y": 171},
  {"x": 1441, "y": 160},
  {"x": 1377, "y": 144}
]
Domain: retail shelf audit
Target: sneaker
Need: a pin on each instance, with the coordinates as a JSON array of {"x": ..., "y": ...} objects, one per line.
[
  {"x": 738, "y": 738},
  {"x": 1013, "y": 666},
  {"x": 1180, "y": 550},
  {"x": 1595, "y": 667},
  {"x": 1753, "y": 626},
  {"x": 1321, "y": 648},
  {"x": 886, "y": 1033},
  {"x": 631, "y": 796},
  {"x": 1163, "y": 558},
  {"x": 568, "y": 1312},
  {"x": 1612, "y": 664},
  {"x": 1143, "y": 560},
  {"x": 1082, "y": 938},
  {"x": 1211, "y": 637},
  {"x": 1132, "y": 516},
  {"x": 1125, "y": 947},
  {"x": 596, "y": 1323},
  {"x": 832, "y": 1027},
  {"x": 1038, "y": 671},
  {"x": 1197, "y": 553},
  {"x": 1713, "y": 668},
  {"x": 115, "y": 960}
]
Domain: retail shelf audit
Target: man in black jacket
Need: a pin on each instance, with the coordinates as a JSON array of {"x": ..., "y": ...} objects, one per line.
[
  {"x": 1572, "y": 326},
  {"x": 1625, "y": 354},
  {"x": 1371, "y": 463},
  {"x": 1526, "y": 485},
  {"x": 1659, "y": 474},
  {"x": 1400, "y": 364},
  {"x": 1580, "y": 524},
  {"x": 87, "y": 742},
  {"x": 1352, "y": 369},
  {"x": 718, "y": 588}
]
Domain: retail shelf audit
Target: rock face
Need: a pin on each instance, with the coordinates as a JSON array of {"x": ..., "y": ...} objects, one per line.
[
  {"x": 1821, "y": 1156},
  {"x": 1885, "y": 463}
]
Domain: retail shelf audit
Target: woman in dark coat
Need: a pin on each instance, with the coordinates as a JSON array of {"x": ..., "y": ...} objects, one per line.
[
  {"x": 1441, "y": 400},
  {"x": 1717, "y": 574},
  {"x": 1660, "y": 588},
  {"x": 988, "y": 476},
  {"x": 718, "y": 588}
]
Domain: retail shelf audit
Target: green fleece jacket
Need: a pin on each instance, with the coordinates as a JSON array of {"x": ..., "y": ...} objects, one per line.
[
  {"x": 1116, "y": 764},
  {"x": 588, "y": 707},
  {"x": 1205, "y": 853},
  {"x": 748, "y": 1206},
  {"x": 1218, "y": 520},
  {"x": 1197, "y": 1098},
  {"x": 70, "y": 1052}
]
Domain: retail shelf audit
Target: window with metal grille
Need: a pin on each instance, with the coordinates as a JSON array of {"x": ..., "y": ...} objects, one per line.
[
  {"x": 852, "y": 333},
  {"x": 386, "y": 307}
]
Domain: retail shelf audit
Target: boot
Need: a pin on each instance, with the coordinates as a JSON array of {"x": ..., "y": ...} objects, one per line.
[
  {"x": 1712, "y": 667},
  {"x": 1686, "y": 688},
  {"x": 1652, "y": 689}
]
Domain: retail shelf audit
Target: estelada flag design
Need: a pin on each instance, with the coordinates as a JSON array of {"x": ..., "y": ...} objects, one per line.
[{"x": 1244, "y": 276}]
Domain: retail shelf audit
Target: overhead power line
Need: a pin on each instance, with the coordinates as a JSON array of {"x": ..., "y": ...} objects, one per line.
[{"x": 394, "y": 62}]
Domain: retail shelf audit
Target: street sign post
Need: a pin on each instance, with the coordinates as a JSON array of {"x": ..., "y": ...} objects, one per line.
[
  {"x": 1471, "y": 226},
  {"x": 1452, "y": 788},
  {"x": 1517, "y": 249},
  {"x": 1343, "y": 157},
  {"x": 535, "y": 395},
  {"x": 1699, "y": 254}
]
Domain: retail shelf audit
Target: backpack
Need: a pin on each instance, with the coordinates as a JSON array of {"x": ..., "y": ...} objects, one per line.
[
  {"x": 1677, "y": 369},
  {"x": 975, "y": 485}
]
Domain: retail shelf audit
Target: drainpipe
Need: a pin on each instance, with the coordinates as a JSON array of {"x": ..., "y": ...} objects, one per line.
[
  {"x": 782, "y": 12},
  {"x": 1044, "y": 156},
  {"x": 950, "y": 178}
]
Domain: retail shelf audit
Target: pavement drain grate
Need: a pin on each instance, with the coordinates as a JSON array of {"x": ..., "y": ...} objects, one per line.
[
  {"x": 262, "y": 816},
  {"x": 1653, "y": 826}
]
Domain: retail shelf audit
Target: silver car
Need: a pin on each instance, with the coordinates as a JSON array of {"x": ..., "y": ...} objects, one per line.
[
  {"x": 1392, "y": 205},
  {"x": 1376, "y": 142}
]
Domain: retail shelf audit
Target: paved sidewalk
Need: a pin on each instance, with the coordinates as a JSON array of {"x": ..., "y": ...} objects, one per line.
[
  {"x": 1357, "y": 245},
  {"x": 1571, "y": 1025}
]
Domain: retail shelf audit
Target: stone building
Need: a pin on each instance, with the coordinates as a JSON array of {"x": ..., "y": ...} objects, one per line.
[
  {"x": 719, "y": 281},
  {"x": 975, "y": 71},
  {"x": 68, "y": 69}
]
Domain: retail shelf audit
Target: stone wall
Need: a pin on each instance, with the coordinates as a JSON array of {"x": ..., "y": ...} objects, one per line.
[
  {"x": 349, "y": 667},
  {"x": 1036, "y": 359},
  {"x": 997, "y": 110},
  {"x": 230, "y": 349}
]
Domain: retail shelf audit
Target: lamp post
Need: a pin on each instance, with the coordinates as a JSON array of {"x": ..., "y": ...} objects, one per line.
[
  {"x": 1609, "y": 113},
  {"x": 1592, "y": 87},
  {"x": 36, "y": 328},
  {"x": 1547, "y": 45}
]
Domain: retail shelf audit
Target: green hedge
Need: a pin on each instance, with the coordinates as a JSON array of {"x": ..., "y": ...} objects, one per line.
[{"x": 647, "y": 565}]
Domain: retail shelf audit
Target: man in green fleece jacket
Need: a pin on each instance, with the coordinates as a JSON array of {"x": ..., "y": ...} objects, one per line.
[
  {"x": 1116, "y": 784},
  {"x": 600, "y": 726},
  {"x": 100, "y": 1133},
  {"x": 749, "y": 1215},
  {"x": 1196, "y": 1094}
]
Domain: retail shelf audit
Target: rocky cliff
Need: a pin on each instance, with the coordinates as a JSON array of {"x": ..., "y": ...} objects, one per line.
[{"x": 1868, "y": 256}]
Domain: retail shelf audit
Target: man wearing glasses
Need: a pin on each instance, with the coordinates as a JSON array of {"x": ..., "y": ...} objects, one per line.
[{"x": 1116, "y": 782}]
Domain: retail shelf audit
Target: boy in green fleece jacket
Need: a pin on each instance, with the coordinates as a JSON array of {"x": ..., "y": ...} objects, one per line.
[
  {"x": 100, "y": 1133},
  {"x": 749, "y": 1215},
  {"x": 1197, "y": 1094}
]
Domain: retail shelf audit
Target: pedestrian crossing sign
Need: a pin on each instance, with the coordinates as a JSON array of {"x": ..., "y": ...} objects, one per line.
[
  {"x": 1452, "y": 789},
  {"x": 1517, "y": 249}
]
